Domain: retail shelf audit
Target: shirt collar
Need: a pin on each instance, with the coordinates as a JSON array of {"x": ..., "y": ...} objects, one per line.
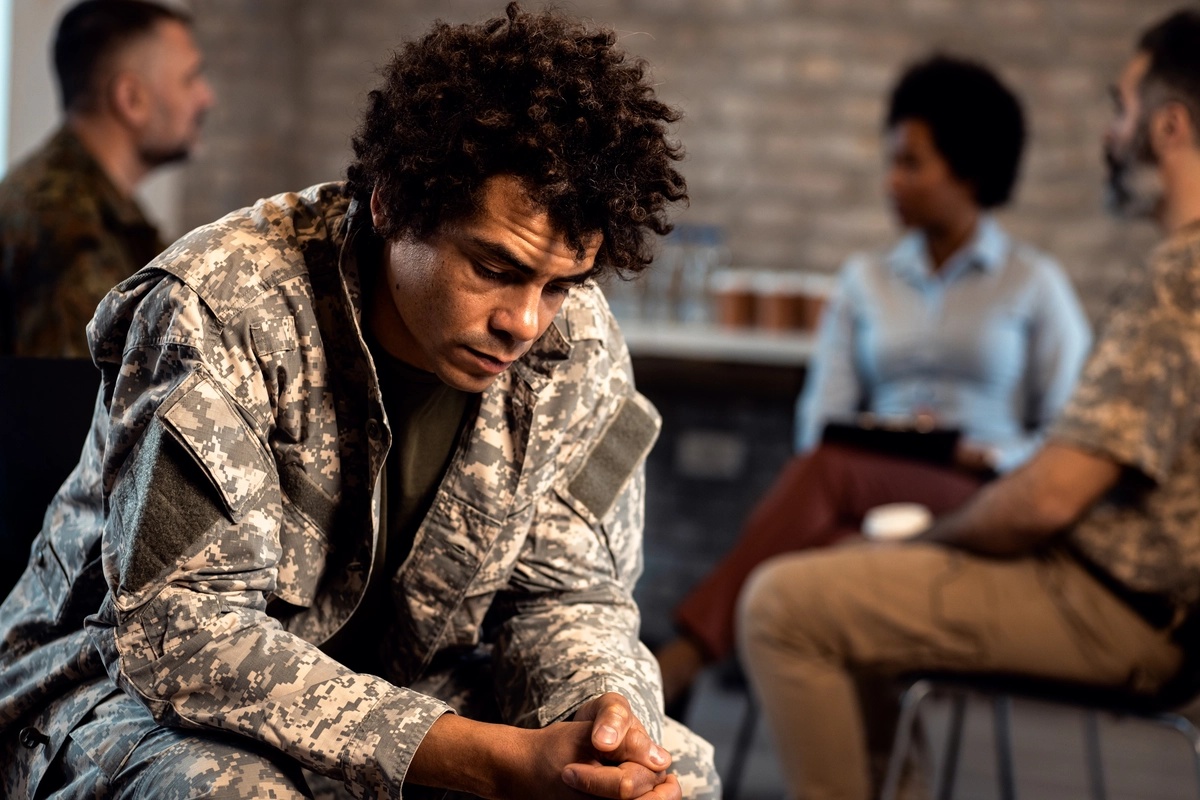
[{"x": 986, "y": 250}]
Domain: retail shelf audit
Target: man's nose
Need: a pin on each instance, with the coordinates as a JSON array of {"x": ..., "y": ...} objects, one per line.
[
  {"x": 208, "y": 97},
  {"x": 518, "y": 315}
]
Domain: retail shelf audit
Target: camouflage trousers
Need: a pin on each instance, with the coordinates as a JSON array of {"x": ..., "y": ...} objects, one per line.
[{"x": 120, "y": 752}]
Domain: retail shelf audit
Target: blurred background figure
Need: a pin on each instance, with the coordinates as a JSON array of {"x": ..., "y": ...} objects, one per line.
[
  {"x": 134, "y": 97},
  {"x": 1081, "y": 567},
  {"x": 958, "y": 327}
]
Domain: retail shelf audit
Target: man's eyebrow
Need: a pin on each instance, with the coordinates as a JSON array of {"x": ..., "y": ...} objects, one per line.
[{"x": 500, "y": 253}]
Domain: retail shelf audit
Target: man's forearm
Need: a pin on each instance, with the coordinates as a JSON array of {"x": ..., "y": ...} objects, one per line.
[
  {"x": 1002, "y": 520},
  {"x": 1026, "y": 508}
]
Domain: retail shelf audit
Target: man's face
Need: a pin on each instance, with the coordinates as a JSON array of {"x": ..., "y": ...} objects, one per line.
[
  {"x": 171, "y": 67},
  {"x": 1134, "y": 187},
  {"x": 471, "y": 299}
]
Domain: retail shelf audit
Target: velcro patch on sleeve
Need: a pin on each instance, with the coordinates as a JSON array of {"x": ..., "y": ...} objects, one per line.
[
  {"x": 206, "y": 423},
  {"x": 614, "y": 458},
  {"x": 163, "y": 505}
]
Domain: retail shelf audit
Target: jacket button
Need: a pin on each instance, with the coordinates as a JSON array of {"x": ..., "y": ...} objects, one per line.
[
  {"x": 373, "y": 430},
  {"x": 31, "y": 737}
]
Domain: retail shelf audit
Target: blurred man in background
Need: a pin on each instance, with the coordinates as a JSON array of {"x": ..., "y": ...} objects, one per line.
[
  {"x": 131, "y": 87},
  {"x": 1084, "y": 564}
]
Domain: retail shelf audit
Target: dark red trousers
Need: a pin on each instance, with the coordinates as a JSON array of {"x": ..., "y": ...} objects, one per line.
[{"x": 817, "y": 499}]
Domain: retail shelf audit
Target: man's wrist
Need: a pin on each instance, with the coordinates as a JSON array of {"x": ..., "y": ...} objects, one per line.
[{"x": 465, "y": 755}]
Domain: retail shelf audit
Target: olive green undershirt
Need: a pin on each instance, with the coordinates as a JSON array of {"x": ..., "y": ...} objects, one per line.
[{"x": 426, "y": 417}]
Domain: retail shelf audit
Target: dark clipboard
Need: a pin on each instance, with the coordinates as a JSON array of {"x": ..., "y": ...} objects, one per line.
[{"x": 902, "y": 440}]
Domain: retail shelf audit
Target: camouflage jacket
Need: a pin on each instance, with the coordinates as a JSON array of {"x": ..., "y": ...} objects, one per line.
[
  {"x": 229, "y": 489},
  {"x": 1136, "y": 403},
  {"x": 67, "y": 236}
]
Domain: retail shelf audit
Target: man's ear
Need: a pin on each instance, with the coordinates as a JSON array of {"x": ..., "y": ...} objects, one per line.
[
  {"x": 1171, "y": 127},
  {"x": 129, "y": 98},
  {"x": 378, "y": 218}
]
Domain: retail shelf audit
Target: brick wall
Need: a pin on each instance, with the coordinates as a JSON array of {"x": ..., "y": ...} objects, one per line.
[{"x": 783, "y": 100}]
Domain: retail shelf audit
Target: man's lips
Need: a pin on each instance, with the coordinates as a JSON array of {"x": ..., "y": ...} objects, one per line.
[{"x": 490, "y": 362}]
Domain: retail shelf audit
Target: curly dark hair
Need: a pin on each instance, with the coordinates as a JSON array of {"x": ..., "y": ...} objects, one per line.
[
  {"x": 976, "y": 121},
  {"x": 537, "y": 96}
]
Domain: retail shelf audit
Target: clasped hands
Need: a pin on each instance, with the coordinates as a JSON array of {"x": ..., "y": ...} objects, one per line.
[
  {"x": 623, "y": 761},
  {"x": 604, "y": 751}
]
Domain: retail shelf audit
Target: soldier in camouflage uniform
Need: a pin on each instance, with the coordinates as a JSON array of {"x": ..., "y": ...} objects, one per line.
[
  {"x": 70, "y": 228},
  {"x": 221, "y": 602},
  {"x": 1082, "y": 566}
]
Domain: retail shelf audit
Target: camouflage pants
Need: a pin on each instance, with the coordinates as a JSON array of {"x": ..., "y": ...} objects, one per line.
[{"x": 119, "y": 752}]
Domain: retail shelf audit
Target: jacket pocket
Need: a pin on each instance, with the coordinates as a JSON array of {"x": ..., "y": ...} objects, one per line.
[{"x": 304, "y": 549}]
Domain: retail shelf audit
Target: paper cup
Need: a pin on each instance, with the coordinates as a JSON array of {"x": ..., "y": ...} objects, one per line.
[{"x": 896, "y": 521}]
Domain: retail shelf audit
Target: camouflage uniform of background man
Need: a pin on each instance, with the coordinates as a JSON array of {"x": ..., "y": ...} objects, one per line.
[{"x": 369, "y": 454}]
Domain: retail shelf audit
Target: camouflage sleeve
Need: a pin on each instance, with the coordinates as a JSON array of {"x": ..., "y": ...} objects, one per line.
[
  {"x": 191, "y": 551},
  {"x": 571, "y": 626},
  {"x": 1135, "y": 402}
]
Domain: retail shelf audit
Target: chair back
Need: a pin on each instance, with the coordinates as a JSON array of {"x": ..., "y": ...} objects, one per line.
[{"x": 45, "y": 412}]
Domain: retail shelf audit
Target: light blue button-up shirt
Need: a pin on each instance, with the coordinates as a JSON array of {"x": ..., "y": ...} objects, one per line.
[{"x": 991, "y": 344}]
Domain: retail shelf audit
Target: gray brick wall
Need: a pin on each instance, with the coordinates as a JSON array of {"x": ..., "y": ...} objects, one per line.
[{"x": 782, "y": 97}]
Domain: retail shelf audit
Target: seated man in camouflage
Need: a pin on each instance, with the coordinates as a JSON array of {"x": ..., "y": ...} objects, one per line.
[{"x": 368, "y": 455}]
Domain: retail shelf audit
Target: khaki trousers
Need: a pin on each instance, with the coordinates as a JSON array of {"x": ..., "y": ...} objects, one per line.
[{"x": 809, "y": 623}]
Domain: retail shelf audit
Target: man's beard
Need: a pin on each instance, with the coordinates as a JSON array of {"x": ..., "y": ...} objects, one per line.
[
  {"x": 154, "y": 157},
  {"x": 157, "y": 154},
  {"x": 1134, "y": 189}
]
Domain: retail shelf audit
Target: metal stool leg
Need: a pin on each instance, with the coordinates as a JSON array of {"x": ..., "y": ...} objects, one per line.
[
  {"x": 741, "y": 748},
  {"x": 1185, "y": 727},
  {"x": 1095, "y": 762},
  {"x": 954, "y": 734},
  {"x": 1002, "y": 727},
  {"x": 910, "y": 703}
]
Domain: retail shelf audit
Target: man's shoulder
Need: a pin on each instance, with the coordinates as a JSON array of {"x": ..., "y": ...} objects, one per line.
[
  {"x": 44, "y": 186},
  {"x": 586, "y": 316},
  {"x": 230, "y": 262},
  {"x": 590, "y": 337},
  {"x": 1176, "y": 262},
  {"x": 581, "y": 363}
]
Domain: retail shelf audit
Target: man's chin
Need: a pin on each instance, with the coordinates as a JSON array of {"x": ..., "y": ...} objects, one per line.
[
  {"x": 161, "y": 158},
  {"x": 466, "y": 381}
]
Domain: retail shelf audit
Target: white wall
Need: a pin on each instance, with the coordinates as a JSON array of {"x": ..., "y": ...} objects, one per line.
[{"x": 32, "y": 104}]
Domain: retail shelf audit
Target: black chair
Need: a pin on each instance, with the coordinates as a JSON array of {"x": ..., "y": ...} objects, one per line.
[
  {"x": 1162, "y": 709},
  {"x": 45, "y": 411}
]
